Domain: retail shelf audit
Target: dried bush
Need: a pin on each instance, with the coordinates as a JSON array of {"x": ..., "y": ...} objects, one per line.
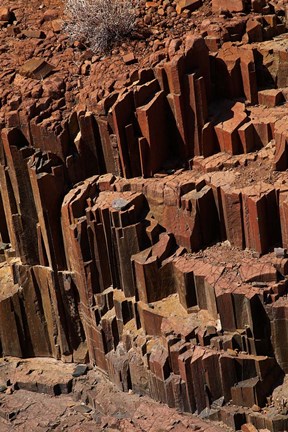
[{"x": 100, "y": 22}]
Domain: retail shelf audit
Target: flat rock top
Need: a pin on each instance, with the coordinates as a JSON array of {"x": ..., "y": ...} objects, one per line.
[
  {"x": 116, "y": 200},
  {"x": 44, "y": 370}
]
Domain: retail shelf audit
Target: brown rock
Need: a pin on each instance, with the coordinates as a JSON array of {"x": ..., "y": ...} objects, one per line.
[
  {"x": 256, "y": 408},
  {"x": 270, "y": 98},
  {"x": 37, "y": 34},
  {"x": 227, "y": 5},
  {"x": 5, "y": 14},
  {"x": 129, "y": 58},
  {"x": 57, "y": 25},
  {"x": 50, "y": 14},
  {"x": 36, "y": 69},
  {"x": 190, "y": 5}
]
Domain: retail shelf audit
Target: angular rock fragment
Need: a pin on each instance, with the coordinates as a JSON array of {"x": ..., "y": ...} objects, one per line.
[{"x": 36, "y": 68}]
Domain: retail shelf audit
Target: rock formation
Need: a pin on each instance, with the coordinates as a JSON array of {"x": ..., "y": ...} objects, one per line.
[{"x": 144, "y": 207}]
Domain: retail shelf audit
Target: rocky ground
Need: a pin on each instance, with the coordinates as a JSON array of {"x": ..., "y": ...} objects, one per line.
[
  {"x": 88, "y": 403},
  {"x": 34, "y": 30}
]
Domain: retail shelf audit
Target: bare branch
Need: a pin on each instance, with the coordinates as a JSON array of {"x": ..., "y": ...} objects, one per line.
[{"x": 100, "y": 22}]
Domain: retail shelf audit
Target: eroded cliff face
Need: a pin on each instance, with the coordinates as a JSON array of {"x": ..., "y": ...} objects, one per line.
[{"x": 139, "y": 215}]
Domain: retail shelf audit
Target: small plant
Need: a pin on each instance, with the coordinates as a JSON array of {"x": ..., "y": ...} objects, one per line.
[{"x": 100, "y": 22}]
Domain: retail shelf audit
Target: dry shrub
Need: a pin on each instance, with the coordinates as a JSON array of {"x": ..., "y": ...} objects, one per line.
[{"x": 100, "y": 22}]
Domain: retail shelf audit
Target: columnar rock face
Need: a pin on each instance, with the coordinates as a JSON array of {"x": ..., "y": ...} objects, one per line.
[
  {"x": 128, "y": 294},
  {"x": 144, "y": 228}
]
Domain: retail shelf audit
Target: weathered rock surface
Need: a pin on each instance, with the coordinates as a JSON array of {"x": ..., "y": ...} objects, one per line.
[
  {"x": 92, "y": 403},
  {"x": 143, "y": 218}
]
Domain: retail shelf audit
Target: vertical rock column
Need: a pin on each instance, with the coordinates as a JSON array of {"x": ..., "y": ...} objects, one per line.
[
  {"x": 102, "y": 229},
  {"x": 18, "y": 201}
]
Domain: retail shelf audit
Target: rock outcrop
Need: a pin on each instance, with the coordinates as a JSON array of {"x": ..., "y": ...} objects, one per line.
[{"x": 143, "y": 219}]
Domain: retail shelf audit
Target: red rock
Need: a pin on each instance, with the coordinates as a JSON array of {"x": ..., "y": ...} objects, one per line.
[
  {"x": 270, "y": 98},
  {"x": 5, "y": 14},
  {"x": 36, "y": 68},
  {"x": 50, "y": 14},
  {"x": 226, "y": 130},
  {"x": 157, "y": 279},
  {"x": 248, "y": 428},
  {"x": 254, "y": 30},
  {"x": 129, "y": 58},
  {"x": 259, "y": 233},
  {"x": 224, "y": 5},
  {"x": 248, "y": 72},
  {"x": 153, "y": 137},
  {"x": 191, "y": 5},
  {"x": 37, "y": 34},
  {"x": 258, "y": 272},
  {"x": 151, "y": 4},
  {"x": 57, "y": 25},
  {"x": 246, "y": 133}
]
